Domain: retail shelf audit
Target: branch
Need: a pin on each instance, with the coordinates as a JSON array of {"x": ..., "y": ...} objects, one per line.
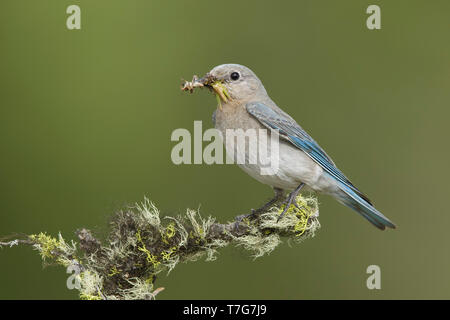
[{"x": 139, "y": 246}]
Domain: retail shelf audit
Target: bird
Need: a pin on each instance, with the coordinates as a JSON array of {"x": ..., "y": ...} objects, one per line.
[{"x": 302, "y": 164}]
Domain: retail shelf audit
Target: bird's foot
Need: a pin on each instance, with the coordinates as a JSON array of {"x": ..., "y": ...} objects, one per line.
[
  {"x": 291, "y": 200},
  {"x": 287, "y": 204},
  {"x": 240, "y": 218},
  {"x": 269, "y": 204},
  {"x": 256, "y": 212}
]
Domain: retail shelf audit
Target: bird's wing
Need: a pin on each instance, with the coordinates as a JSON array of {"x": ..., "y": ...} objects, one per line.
[{"x": 291, "y": 131}]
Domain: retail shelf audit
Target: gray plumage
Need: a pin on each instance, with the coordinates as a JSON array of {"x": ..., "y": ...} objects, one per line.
[{"x": 301, "y": 160}]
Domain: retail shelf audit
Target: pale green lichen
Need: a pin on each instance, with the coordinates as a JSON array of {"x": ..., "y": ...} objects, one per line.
[
  {"x": 90, "y": 285},
  {"x": 139, "y": 245},
  {"x": 149, "y": 212},
  {"x": 52, "y": 248},
  {"x": 265, "y": 233}
]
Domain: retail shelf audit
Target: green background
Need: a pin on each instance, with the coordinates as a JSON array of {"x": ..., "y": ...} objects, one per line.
[{"x": 86, "y": 118}]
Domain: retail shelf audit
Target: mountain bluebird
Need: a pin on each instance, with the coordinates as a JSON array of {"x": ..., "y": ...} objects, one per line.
[{"x": 302, "y": 163}]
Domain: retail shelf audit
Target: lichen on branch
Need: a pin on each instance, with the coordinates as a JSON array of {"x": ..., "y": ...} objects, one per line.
[{"x": 139, "y": 245}]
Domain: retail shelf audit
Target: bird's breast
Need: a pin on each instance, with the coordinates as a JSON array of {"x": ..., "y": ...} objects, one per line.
[{"x": 291, "y": 167}]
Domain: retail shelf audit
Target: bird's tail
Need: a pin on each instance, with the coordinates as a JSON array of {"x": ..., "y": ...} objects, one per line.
[{"x": 361, "y": 204}]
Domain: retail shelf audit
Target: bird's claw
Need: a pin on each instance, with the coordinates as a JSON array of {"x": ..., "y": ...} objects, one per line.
[
  {"x": 239, "y": 219},
  {"x": 291, "y": 200},
  {"x": 282, "y": 213},
  {"x": 296, "y": 205},
  {"x": 286, "y": 209}
]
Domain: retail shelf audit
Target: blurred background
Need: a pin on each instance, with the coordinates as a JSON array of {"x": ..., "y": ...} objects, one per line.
[{"x": 86, "y": 118}]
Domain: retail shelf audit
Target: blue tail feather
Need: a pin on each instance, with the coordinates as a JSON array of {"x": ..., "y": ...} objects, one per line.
[{"x": 360, "y": 204}]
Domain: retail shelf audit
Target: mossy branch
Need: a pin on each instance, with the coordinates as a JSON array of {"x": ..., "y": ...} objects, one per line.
[{"x": 139, "y": 246}]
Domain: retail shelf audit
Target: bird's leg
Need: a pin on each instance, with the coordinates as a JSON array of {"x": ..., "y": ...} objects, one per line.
[
  {"x": 264, "y": 208},
  {"x": 291, "y": 198}
]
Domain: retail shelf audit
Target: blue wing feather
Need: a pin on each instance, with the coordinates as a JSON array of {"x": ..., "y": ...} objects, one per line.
[{"x": 291, "y": 131}]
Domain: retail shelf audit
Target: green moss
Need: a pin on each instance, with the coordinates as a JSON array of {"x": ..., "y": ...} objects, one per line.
[
  {"x": 150, "y": 279},
  {"x": 113, "y": 272},
  {"x": 139, "y": 245},
  {"x": 169, "y": 232},
  {"x": 166, "y": 255},
  {"x": 152, "y": 259},
  {"x": 51, "y": 248},
  {"x": 85, "y": 296}
]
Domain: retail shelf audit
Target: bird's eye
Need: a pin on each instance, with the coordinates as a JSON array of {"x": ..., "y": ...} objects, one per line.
[{"x": 234, "y": 76}]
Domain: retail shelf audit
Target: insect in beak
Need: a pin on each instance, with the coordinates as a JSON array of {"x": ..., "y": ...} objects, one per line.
[
  {"x": 211, "y": 82},
  {"x": 221, "y": 93}
]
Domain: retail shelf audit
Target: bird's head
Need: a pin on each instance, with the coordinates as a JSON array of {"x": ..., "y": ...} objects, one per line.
[{"x": 232, "y": 82}]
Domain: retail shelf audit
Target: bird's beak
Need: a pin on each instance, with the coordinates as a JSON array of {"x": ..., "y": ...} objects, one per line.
[
  {"x": 218, "y": 87},
  {"x": 211, "y": 83}
]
